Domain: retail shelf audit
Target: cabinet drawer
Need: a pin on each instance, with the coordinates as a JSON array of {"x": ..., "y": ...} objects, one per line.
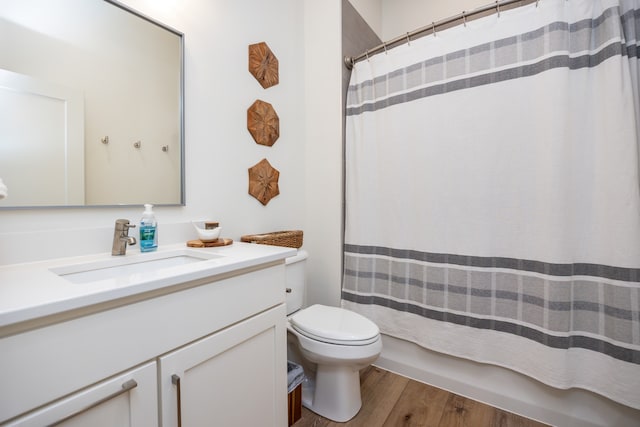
[{"x": 129, "y": 399}]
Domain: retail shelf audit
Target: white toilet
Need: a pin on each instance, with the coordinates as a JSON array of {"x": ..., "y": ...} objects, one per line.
[{"x": 332, "y": 345}]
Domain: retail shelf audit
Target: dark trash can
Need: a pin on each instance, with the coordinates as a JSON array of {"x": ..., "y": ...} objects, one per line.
[{"x": 295, "y": 377}]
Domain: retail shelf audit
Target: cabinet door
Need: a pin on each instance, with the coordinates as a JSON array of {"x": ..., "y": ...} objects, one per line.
[
  {"x": 235, "y": 377},
  {"x": 128, "y": 399}
]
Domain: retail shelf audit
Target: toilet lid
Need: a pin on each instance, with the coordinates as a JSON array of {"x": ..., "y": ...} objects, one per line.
[{"x": 335, "y": 325}]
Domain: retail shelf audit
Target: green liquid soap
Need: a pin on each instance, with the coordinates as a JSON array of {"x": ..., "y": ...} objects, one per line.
[{"x": 148, "y": 230}]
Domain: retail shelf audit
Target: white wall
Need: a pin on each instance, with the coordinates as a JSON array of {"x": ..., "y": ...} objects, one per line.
[
  {"x": 219, "y": 90},
  {"x": 392, "y": 18},
  {"x": 323, "y": 107},
  {"x": 371, "y": 11},
  {"x": 402, "y": 16},
  {"x": 219, "y": 149}
]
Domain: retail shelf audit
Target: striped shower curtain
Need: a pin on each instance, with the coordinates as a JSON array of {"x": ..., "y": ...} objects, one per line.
[{"x": 493, "y": 193}]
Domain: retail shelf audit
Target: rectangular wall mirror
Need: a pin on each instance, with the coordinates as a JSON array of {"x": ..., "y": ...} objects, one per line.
[{"x": 91, "y": 105}]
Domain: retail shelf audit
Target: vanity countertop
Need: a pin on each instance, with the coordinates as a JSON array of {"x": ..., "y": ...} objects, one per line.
[{"x": 30, "y": 291}]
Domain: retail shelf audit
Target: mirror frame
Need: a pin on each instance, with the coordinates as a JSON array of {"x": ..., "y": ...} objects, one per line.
[{"x": 182, "y": 201}]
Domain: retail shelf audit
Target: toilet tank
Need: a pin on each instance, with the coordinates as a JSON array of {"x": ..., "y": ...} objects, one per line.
[{"x": 295, "y": 279}]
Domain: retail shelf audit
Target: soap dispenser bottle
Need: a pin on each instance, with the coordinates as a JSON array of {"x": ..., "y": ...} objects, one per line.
[{"x": 148, "y": 230}]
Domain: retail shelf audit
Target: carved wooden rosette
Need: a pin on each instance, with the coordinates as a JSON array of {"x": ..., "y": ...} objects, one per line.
[
  {"x": 263, "y": 123},
  {"x": 263, "y": 65},
  {"x": 263, "y": 181}
]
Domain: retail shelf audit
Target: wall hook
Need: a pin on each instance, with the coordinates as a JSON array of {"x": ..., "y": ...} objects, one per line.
[
  {"x": 137, "y": 144},
  {"x": 165, "y": 148},
  {"x": 104, "y": 139}
]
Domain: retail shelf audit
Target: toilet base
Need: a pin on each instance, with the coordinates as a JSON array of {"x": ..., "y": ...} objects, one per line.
[{"x": 334, "y": 393}]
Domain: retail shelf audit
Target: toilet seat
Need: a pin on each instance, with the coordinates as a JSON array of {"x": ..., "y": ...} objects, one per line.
[{"x": 335, "y": 325}]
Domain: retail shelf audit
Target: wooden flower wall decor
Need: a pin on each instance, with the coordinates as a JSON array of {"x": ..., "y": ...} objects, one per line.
[
  {"x": 263, "y": 65},
  {"x": 263, "y": 181},
  {"x": 263, "y": 123}
]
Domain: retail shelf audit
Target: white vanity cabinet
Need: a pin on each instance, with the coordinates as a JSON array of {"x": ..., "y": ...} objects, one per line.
[{"x": 222, "y": 336}]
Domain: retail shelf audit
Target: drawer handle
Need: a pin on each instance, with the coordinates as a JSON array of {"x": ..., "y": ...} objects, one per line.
[
  {"x": 176, "y": 381},
  {"x": 126, "y": 387}
]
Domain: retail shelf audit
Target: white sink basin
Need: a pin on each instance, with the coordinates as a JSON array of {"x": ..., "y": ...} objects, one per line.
[{"x": 145, "y": 264}]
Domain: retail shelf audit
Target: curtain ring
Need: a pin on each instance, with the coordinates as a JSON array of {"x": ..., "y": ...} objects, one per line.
[
  {"x": 433, "y": 28},
  {"x": 464, "y": 18},
  {"x": 498, "y": 7},
  {"x": 366, "y": 52},
  {"x": 384, "y": 44},
  {"x": 408, "y": 41},
  {"x": 537, "y": 1}
]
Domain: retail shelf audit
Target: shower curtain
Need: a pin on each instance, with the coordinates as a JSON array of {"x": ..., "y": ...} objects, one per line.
[{"x": 493, "y": 193}]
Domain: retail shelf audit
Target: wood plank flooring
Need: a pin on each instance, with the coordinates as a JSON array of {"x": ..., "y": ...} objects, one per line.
[{"x": 390, "y": 400}]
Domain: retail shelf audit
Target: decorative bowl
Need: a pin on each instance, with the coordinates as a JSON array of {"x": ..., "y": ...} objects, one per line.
[{"x": 206, "y": 234}]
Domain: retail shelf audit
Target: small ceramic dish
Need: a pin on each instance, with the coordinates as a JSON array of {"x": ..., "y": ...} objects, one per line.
[{"x": 206, "y": 234}]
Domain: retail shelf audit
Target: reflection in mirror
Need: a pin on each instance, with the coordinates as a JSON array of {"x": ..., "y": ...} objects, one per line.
[{"x": 90, "y": 105}]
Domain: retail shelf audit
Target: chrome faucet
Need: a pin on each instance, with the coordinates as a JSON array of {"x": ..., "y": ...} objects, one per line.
[{"x": 121, "y": 237}]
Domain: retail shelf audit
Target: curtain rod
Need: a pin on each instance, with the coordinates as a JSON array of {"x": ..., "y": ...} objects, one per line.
[{"x": 350, "y": 61}]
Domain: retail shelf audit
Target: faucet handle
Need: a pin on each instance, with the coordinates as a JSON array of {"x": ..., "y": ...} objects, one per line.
[{"x": 124, "y": 224}]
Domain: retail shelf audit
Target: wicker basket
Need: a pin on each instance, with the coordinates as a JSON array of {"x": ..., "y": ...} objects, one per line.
[{"x": 290, "y": 239}]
